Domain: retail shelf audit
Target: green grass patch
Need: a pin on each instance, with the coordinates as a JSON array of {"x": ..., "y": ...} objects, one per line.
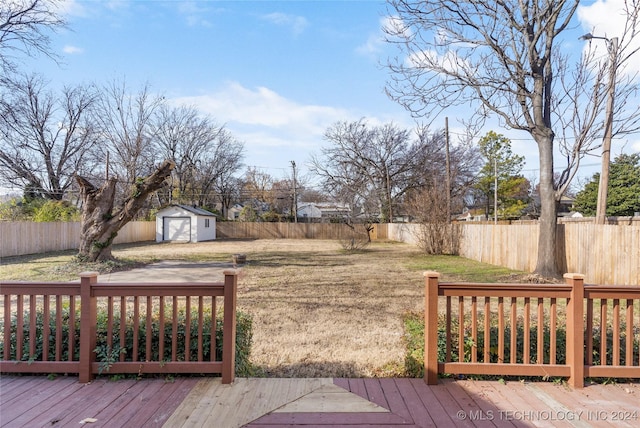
[{"x": 455, "y": 268}]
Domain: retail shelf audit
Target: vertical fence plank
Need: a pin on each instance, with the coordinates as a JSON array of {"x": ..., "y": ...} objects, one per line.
[
  {"x": 7, "y": 330},
  {"x": 58, "y": 328},
  {"x": 616, "y": 333},
  {"x": 123, "y": 325},
  {"x": 213, "y": 330},
  {"x": 501, "y": 330},
  {"x": 187, "y": 329},
  {"x": 174, "y": 330},
  {"x": 461, "y": 329},
  {"x": 20, "y": 324},
  {"x": 575, "y": 330},
  {"x": 629, "y": 333},
  {"x": 474, "y": 329},
  {"x": 88, "y": 325},
  {"x": 229, "y": 326},
  {"x": 161, "y": 332},
  {"x": 136, "y": 326},
  {"x": 431, "y": 328},
  {"x": 149, "y": 330},
  {"x": 514, "y": 331},
  {"x": 526, "y": 351},
  {"x": 46, "y": 332},
  {"x": 487, "y": 330},
  {"x": 448, "y": 330},
  {"x": 603, "y": 332},
  {"x": 553, "y": 320},
  {"x": 540, "y": 327},
  {"x": 200, "y": 327}
]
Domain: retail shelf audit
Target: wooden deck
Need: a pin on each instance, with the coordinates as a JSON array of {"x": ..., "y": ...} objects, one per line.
[{"x": 35, "y": 401}]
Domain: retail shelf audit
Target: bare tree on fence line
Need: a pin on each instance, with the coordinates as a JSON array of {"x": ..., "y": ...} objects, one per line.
[
  {"x": 504, "y": 59},
  {"x": 427, "y": 203},
  {"x": 102, "y": 218}
]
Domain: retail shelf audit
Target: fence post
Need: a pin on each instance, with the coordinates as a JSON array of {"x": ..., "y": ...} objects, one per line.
[
  {"x": 229, "y": 326},
  {"x": 575, "y": 330},
  {"x": 431, "y": 327},
  {"x": 88, "y": 327}
]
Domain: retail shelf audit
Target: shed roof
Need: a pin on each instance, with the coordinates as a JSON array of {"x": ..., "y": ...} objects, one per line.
[{"x": 194, "y": 210}]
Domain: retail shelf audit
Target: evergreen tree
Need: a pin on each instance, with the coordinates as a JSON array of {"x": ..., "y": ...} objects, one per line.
[
  {"x": 513, "y": 188},
  {"x": 623, "y": 197}
]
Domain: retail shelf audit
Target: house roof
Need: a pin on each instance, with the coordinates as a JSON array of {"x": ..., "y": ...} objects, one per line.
[{"x": 194, "y": 210}]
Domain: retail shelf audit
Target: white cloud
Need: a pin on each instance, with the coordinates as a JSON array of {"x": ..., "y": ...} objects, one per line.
[
  {"x": 608, "y": 18},
  {"x": 603, "y": 17},
  {"x": 372, "y": 46},
  {"x": 297, "y": 23},
  {"x": 271, "y": 126},
  {"x": 71, "y": 8},
  {"x": 376, "y": 42},
  {"x": 194, "y": 12},
  {"x": 72, "y": 50},
  {"x": 264, "y": 107}
]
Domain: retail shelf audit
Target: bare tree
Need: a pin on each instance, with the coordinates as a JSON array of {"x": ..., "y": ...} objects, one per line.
[
  {"x": 228, "y": 189},
  {"x": 102, "y": 217},
  {"x": 45, "y": 136},
  {"x": 224, "y": 160},
  {"x": 201, "y": 150},
  {"x": 371, "y": 167},
  {"x": 124, "y": 120},
  {"x": 427, "y": 201},
  {"x": 257, "y": 186},
  {"x": 24, "y": 25},
  {"x": 501, "y": 57}
]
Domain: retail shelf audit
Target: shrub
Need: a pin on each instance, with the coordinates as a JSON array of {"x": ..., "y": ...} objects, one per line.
[
  {"x": 56, "y": 211},
  {"x": 414, "y": 344},
  {"x": 105, "y": 355}
]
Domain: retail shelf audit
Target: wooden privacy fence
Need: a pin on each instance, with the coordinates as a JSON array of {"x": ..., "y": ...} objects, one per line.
[
  {"x": 605, "y": 254},
  {"x": 268, "y": 230},
  {"x": 571, "y": 330},
  {"x": 54, "y": 327},
  {"x": 27, "y": 237}
]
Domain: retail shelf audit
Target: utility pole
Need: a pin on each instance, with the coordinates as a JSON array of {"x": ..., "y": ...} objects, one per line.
[
  {"x": 294, "y": 204},
  {"x": 495, "y": 188},
  {"x": 612, "y": 47},
  {"x": 601, "y": 209},
  {"x": 448, "y": 166},
  {"x": 386, "y": 168}
]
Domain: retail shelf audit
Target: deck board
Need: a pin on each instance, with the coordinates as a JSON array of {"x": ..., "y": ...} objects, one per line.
[{"x": 27, "y": 401}]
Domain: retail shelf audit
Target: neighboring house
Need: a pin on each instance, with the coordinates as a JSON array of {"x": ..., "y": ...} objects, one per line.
[
  {"x": 185, "y": 223},
  {"x": 473, "y": 214},
  {"x": 322, "y": 211},
  {"x": 233, "y": 213}
]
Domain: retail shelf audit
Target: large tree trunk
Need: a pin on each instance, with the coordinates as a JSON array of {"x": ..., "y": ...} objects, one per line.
[
  {"x": 101, "y": 221},
  {"x": 547, "y": 265}
]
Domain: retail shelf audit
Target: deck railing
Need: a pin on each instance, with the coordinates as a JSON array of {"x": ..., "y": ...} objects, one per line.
[
  {"x": 569, "y": 330},
  {"x": 170, "y": 327}
]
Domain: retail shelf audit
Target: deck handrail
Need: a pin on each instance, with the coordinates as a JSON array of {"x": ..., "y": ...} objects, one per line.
[
  {"x": 142, "y": 303},
  {"x": 484, "y": 354}
]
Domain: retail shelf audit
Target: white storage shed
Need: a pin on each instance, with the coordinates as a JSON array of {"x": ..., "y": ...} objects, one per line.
[{"x": 185, "y": 223}]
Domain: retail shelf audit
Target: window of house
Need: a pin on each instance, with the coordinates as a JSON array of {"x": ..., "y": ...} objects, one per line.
[{"x": 206, "y": 222}]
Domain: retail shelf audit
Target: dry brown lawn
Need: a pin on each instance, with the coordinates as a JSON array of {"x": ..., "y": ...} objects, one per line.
[{"x": 318, "y": 310}]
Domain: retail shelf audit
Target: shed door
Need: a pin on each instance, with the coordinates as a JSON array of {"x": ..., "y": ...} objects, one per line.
[{"x": 176, "y": 229}]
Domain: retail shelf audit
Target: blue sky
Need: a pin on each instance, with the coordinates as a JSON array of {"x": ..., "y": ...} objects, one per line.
[{"x": 277, "y": 73}]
